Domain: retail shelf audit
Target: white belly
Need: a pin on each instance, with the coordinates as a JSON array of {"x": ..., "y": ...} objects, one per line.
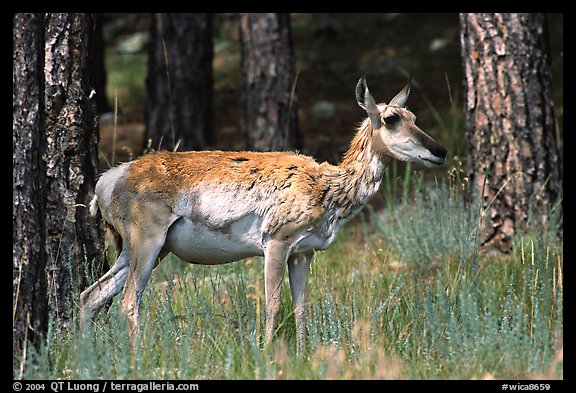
[{"x": 196, "y": 243}]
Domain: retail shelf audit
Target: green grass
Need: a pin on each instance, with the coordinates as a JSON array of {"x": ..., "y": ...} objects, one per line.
[{"x": 403, "y": 295}]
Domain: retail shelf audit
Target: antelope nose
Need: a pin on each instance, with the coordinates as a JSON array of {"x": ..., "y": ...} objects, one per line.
[
  {"x": 433, "y": 147},
  {"x": 439, "y": 151}
]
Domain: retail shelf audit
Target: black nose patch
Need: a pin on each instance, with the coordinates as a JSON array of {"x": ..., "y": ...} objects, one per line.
[
  {"x": 438, "y": 150},
  {"x": 430, "y": 144}
]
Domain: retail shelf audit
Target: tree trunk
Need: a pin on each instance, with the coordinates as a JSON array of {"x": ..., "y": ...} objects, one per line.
[
  {"x": 268, "y": 75},
  {"x": 98, "y": 66},
  {"x": 29, "y": 306},
  {"x": 509, "y": 122},
  {"x": 179, "y": 82},
  {"x": 74, "y": 238}
]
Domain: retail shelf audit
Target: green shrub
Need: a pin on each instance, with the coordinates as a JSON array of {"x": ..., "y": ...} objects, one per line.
[{"x": 432, "y": 225}]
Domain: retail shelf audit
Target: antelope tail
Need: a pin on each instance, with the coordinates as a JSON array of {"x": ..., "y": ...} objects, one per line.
[{"x": 94, "y": 206}]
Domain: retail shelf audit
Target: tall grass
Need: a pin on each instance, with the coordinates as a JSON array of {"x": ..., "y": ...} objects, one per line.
[
  {"x": 432, "y": 225},
  {"x": 405, "y": 295}
]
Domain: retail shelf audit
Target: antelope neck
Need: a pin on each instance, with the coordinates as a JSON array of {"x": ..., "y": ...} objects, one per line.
[{"x": 358, "y": 176}]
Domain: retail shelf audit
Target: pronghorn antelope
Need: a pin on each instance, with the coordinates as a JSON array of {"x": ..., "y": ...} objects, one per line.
[{"x": 214, "y": 207}]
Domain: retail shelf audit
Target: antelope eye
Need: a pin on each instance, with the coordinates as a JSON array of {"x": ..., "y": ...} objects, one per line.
[{"x": 392, "y": 119}]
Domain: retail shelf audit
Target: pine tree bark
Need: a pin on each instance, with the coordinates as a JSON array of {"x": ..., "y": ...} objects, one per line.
[
  {"x": 74, "y": 237},
  {"x": 180, "y": 83},
  {"x": 29, "y": 305},
  {"x": 268, "y": 74},
  {"x": 509, "y": 122}
]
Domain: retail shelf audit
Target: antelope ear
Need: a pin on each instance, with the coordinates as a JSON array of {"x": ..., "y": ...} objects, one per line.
[
  {"x": 366, "y": 102},
  {"x": 401, "y": 98}
]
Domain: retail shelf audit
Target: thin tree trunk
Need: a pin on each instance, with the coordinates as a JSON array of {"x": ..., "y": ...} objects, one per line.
[
  {"x": 98, "y": 65},
  {"x": 268, "y": 75},
  {"x": 509, "y": 122},
  {"x": 29, "y": 306},
  {"x": 179, "y": 83},
  {"x": 74, "y": 238}
]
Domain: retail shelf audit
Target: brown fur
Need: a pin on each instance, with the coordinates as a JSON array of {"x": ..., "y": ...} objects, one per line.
[{"x": 305, "y": 187}]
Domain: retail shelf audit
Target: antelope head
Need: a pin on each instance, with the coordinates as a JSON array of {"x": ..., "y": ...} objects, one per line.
[{"x": 394, "y": 131}]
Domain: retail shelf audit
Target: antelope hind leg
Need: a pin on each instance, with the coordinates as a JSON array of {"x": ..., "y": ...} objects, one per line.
[
  {"x": 104, "y": 289},
  {"x": 138, "y": 275}
]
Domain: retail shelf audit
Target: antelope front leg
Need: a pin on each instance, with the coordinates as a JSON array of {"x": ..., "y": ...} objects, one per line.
[
  {"x": 275, "y": 257},
  {"x": 298, "y": 268}
]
